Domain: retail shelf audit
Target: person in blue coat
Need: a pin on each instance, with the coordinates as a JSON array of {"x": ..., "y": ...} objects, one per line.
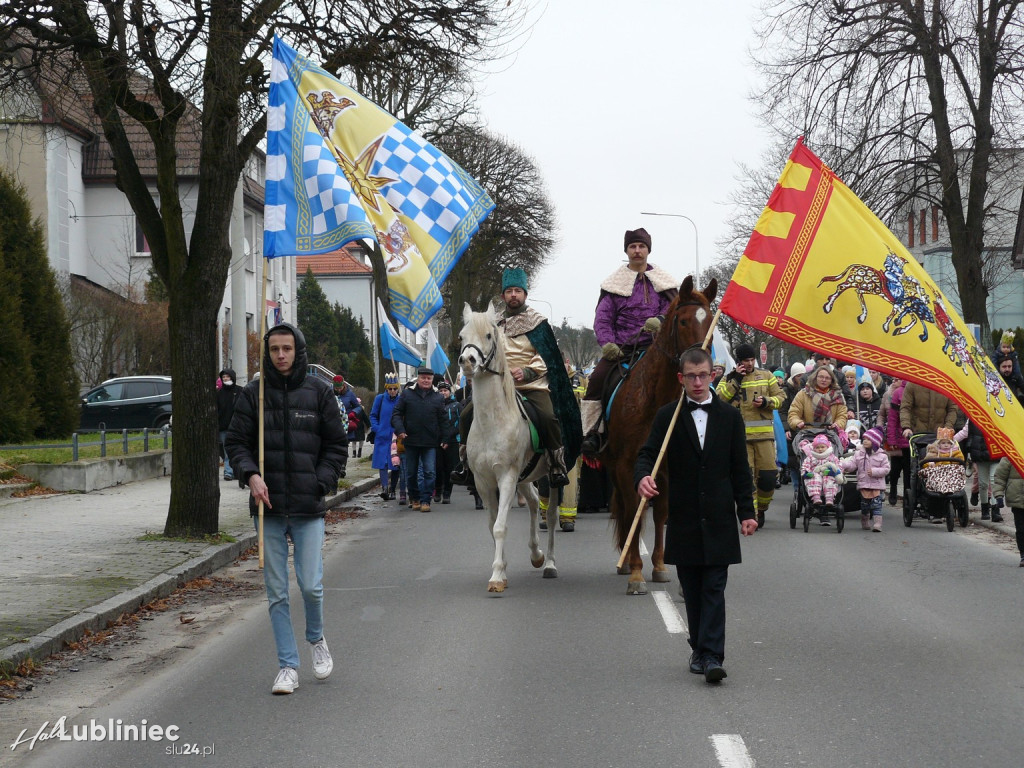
[{"x": 380, "y": 424}]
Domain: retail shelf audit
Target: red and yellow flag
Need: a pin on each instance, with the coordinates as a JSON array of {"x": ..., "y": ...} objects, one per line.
[{"x": 823, "y": 272}]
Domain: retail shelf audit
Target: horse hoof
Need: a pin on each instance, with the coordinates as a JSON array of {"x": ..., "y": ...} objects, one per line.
[
  {"x": 550, "y": 573},
  {"x": 624, "y": 570},
  {"x": 537, "y": 562},
  {"x": 660, "y": 577},
  {"x": 637, "y": 588},
  {"x": 497, "y": 587}
]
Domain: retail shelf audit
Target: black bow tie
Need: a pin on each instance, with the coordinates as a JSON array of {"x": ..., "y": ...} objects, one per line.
[{"x": 692, "y": 406}]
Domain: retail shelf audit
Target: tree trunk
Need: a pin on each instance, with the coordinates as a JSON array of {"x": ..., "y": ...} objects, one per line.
[{"x": 192, "y": 320}]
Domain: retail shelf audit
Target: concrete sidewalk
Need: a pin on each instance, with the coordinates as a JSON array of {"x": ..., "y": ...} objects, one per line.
[{"x": 75, "y": 562}]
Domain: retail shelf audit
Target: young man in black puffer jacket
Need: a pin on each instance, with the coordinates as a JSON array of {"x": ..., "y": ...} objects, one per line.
[{"x": 305, "y": 452}]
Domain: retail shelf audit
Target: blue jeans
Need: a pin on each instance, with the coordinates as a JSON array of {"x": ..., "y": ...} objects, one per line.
[
  {"x": 307, "y": 534},
  {"x": 228, "y": 472},
  {"x": 416, "y": 458}
]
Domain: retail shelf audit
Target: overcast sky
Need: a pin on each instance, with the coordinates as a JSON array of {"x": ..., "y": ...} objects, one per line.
[{"x": 629, "y": 107}]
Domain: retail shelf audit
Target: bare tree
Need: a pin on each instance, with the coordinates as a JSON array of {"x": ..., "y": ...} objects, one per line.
[
  {"x": 519, "y": 232},
  {"x": 191, "y": 79},
  {"x": 907, "y": 100},
  {"x": 578, "y": 343}
]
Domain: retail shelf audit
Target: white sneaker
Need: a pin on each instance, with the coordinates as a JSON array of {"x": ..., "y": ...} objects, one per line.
[
  {"x": 322, "y": 661},
  {"x": 287, "y": 681}
]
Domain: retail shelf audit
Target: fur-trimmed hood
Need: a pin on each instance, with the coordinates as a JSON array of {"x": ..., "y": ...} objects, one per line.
[{"x": 620, "y": 282}]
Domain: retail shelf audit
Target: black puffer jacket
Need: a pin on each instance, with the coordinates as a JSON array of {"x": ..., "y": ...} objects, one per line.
[
  {"x": 976, "y": 444},
  {"x": 305, "y": 448}
]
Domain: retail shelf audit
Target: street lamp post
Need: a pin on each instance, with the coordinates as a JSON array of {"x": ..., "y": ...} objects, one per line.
[{"x": 696, "y": 238}]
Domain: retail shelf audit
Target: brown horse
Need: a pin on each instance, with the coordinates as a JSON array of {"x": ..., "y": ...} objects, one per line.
[{"x": 651, "y": 384}]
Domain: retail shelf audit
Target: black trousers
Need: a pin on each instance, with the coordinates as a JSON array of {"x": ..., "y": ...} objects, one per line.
[
  {"x": 704, "y": 593},
  {"x": 1018, "y": 522}
]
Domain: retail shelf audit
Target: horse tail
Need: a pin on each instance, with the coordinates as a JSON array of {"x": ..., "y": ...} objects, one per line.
[{"x": 836, "y": 278}]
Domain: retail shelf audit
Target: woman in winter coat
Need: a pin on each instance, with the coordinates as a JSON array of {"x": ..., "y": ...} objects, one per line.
[
  {"x": 896, "y": 445},
  {"x": 380, "y": 424},
  {"x": 819, "y": 404},
  {"x": 871, "y": 464},
  {"x": 1008, "y": 489}
]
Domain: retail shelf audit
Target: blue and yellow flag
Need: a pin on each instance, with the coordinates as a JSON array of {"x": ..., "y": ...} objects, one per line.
[
  {"x": 823, "y": 272},
  {"x": 340, "y": 168}
]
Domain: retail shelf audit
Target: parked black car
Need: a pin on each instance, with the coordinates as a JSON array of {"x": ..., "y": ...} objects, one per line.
[{"x": 128, "y": 402}]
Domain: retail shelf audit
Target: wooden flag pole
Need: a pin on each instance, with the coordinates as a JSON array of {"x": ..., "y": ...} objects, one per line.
[
  {"x": 664, "y": 446},
  {"x": 263, "y": 381}
]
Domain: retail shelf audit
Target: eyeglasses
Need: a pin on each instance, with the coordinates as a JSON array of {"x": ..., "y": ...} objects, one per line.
[
  {"x": 692, "y": 377},
  {"x": 391, "y": 387}
]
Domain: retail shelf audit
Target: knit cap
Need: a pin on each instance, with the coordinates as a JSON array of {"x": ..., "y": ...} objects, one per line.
[{"x": 875, "y": 436}]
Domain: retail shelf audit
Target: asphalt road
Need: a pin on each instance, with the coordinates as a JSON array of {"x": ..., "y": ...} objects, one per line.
[{"x": 854, "y": 649}]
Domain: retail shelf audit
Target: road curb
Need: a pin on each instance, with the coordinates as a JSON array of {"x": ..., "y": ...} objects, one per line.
[{"x": 98, "y": 617}]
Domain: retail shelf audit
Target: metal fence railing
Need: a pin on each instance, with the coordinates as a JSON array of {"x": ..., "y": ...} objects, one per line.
[{"x": 122, "y": 438}]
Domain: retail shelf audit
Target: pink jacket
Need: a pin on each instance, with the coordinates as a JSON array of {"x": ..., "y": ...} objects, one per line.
[
  {"x": 893, "y": 432},
  {"x": 871, "y": 469}
]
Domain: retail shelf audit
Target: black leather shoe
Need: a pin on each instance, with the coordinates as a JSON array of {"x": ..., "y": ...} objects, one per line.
[
  {"x": 713, "y": 671},
  {"x": 696, "y": 665}
]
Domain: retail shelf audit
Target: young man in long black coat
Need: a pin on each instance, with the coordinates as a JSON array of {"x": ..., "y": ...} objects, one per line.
[{"x": 709, "y": 490}]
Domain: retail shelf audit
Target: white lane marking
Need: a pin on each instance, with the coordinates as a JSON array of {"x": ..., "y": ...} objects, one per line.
[
  {"x": 731, "y": 751},
  {"x": 670, "y": 615}
]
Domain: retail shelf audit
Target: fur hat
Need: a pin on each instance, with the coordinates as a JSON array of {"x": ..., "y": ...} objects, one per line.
[
  {"x": 875, "y": 436},
  {"x": 797, "y": 369},
  {"x": 744, "y": 351},
  {"x": 514, "y": 277},
  {"x": 636, "y": 236}
]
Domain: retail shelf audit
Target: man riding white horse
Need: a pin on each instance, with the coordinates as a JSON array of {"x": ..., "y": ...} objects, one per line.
[{"x": 535, "y": 363}]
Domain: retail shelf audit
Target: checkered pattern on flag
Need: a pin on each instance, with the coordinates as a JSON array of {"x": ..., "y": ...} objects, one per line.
[
  {"x": 340, "y": 168},
  {"x": 823, "y": 272}
]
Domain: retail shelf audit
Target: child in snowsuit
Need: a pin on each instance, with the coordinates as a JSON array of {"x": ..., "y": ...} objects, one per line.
[
  {"x": 820, "y": 470},
  {"x": 871, "y": 464}
]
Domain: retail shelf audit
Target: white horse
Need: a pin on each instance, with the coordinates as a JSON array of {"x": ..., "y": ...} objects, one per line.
[{"x": 499, "y": 445}]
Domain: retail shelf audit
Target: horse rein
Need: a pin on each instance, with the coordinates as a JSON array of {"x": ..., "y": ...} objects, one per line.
[
  {"x": 485, "y": 365},
  {"x": 672, "y": 333}
]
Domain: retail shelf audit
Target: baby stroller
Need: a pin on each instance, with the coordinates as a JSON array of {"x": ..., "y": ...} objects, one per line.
[
  {"x": 920, "y": 501},
  {"x": 802, "y": 505}
]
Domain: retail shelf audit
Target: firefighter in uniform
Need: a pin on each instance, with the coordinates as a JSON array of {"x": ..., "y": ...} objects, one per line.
[{"x": 756, "y": 393}]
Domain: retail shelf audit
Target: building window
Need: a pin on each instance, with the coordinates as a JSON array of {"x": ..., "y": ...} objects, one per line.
[{"x": 141, "y": 244}]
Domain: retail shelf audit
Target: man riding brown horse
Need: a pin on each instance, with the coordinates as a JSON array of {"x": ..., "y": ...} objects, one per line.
[{"x": 630, "y": 310}]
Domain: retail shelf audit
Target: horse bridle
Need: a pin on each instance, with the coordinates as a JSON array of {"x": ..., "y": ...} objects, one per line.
[
  {"x": 486, "y": 364},
  {"x": 672, "y": 333}
]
